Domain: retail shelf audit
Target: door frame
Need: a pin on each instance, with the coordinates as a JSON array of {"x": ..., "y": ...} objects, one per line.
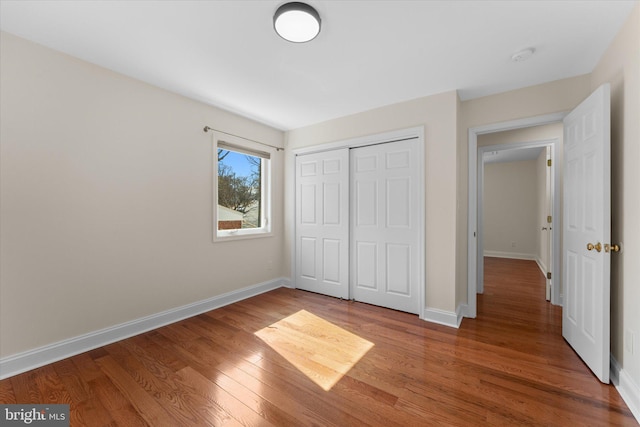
[
  {"x": 549, "y": 193},
  {"x": 543, "y": 143},
  {"x": 473, "y": 255},
  {"x": 380, "y": 138}
]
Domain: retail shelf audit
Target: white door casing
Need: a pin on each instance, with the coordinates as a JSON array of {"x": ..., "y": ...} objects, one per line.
[
  {"x": 478, "y": 241},
  {"x": 587, "y": 220},
  {"x": 473, "y": 205},
  {"x": 548, "y": 226},
  {"x": 385, "y": 232},
  {"x": 322, "y": 223}
]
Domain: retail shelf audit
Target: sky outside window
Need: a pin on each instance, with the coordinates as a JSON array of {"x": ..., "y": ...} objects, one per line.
[{"x": 239, "y": 163}]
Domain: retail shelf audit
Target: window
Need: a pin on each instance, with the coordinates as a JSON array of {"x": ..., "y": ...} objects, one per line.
[{"x": 241, "y": 188}]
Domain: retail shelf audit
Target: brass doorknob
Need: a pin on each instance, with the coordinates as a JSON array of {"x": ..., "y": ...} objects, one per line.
[
  {"x": 611, "y": 247},
  {"x": 597, "y": 246}
]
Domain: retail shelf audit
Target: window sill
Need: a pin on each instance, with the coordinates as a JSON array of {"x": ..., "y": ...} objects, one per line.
[{"x": 240, "y": 235}]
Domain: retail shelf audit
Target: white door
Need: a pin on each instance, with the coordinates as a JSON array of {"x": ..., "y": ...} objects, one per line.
[
  {"x": 385, "y": 233},
  {"x": 586, "y": 230},
  {"x": 322, "y": 223},
  {"x": 547, "y": 228}
]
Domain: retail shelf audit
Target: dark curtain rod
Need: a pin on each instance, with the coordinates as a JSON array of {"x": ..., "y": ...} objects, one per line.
[{"x": 207, "y": 129}]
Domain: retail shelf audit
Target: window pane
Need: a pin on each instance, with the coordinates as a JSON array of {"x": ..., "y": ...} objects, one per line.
[{"x": 239, "y": 190}]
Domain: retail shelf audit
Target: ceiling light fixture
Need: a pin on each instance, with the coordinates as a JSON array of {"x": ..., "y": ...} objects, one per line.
[{"x": 297, "y": 22}]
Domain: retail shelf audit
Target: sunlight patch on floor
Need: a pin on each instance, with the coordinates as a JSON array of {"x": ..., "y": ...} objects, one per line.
[{"x": 319, "y": 349}]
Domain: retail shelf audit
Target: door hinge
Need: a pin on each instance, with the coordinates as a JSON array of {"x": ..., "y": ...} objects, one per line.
[
  {"x": 549, "y": 275},
  {"x": 549, "y": 162}
]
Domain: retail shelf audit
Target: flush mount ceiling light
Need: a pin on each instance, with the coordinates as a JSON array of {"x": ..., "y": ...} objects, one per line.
[{"x": 296, "y": 22}]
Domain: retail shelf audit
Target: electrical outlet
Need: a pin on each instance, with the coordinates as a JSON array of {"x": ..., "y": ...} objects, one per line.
[
  {"x": 628, "y": 340},
  {"x": 513, "y": 244}
]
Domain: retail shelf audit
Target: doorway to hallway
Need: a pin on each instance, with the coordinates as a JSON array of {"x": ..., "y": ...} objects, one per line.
[{"x": 515, "y": 290}]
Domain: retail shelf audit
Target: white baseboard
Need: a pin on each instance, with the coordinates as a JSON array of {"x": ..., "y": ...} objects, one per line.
[
  {"x": 441, "y": 317},
  {"x": 461, "y": 312},
  {"x": 287, "y": 283},
  {"x": 628, "y": 389},
  {"x": 543, "y": 267},
  {"x": 31, "y": 359},
  {"x": 512, "y": 255}
]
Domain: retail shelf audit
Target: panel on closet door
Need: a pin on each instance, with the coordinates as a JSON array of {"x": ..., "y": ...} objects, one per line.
[
  {"x": 308, "y": 204},
  {"x": 366, "y": 163},
  {"x": 398, "y": 269},
  {"x": 331, "y": 206},
  {"x": 308, "y": 168},
  {"x": 398, "y": 159},
  {"x": 332, "y": 263},
  {"x": 308, "y": 257},
  {"x": 366, "y": 202},
  {"x": 398, "y": 202},
  {"x": 332, "y": 166},
  {"x": 365, "y": 264}
]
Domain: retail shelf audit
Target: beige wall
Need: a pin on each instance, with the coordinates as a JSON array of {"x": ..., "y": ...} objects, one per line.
[
  {"x": 510, "y": 208},
  {"x": 107, "y": 200},
  {"x": 438, "y": 115},
  {"x": 620, "y": 66}
]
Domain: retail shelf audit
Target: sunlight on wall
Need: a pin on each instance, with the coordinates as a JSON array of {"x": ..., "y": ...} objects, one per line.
[{"x": 319, "y": 349}]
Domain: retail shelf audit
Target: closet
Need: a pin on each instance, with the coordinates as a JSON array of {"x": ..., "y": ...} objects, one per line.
[{"x": 359, "y": 216}]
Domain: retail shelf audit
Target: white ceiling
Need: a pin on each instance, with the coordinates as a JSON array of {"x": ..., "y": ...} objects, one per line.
[{"x": 368, "y": 54}]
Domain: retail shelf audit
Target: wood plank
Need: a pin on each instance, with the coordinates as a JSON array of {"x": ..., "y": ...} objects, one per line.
[
  {"x": 85, "y": 405},
  {"x": 218, "y": 396},
  {"x": 150, "y": 409},
  {"x": 120, "y": 408},
  {"x": 7, "y": 396},
  {"x": 51, "y": 388},
  {"x": 25, "y": 388}
]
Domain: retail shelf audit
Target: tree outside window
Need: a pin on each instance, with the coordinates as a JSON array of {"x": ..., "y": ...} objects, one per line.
[{"x": 239, "y": 189}]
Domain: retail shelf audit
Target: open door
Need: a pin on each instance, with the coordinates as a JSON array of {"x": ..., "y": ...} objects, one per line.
[{"x": 587, "y": 231}]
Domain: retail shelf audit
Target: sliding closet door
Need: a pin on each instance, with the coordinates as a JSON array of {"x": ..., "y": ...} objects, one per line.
[
  {"x": 322, "y": 223},
  {"x": 385, "y": 231}
]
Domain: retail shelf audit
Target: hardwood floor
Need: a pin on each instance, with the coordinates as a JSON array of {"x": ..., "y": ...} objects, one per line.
[{"x": 265, "y": 361}]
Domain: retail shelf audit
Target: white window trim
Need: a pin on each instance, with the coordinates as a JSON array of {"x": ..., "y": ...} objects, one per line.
[{"x": 265, "y": 179}]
